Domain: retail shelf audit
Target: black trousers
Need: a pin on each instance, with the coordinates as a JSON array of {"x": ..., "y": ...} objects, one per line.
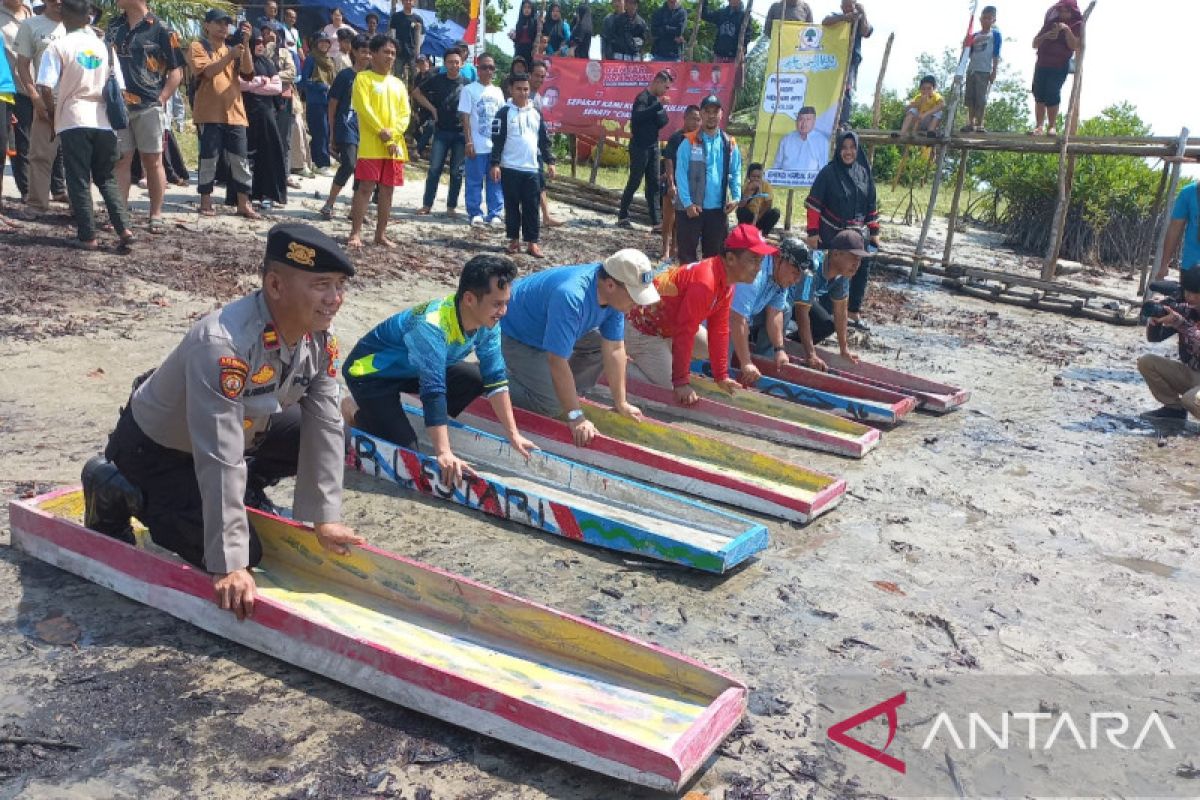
[
  {"x": 820, "y": 320},
  {"x": 765, "y": 224},
  {"x": 380, "y": 411},
  {"x": 705, "y": 233},
  {"x": 171, "y": 505},
  {"x": 522, "y": 204},
  {"x": 858, "y": 285},
  {"x": 643, "y": 163}
]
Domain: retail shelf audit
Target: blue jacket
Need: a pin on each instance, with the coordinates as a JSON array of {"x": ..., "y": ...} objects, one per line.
[
  {"x": 6, "y": 80},
  {"x": 421, "y": 342}
]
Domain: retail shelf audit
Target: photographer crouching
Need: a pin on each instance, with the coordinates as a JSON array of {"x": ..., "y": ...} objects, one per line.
[{"x": 1175, "y": 384}]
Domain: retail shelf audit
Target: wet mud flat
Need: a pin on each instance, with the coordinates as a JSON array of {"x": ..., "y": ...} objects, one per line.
[{"x": 1043, "y": 529}]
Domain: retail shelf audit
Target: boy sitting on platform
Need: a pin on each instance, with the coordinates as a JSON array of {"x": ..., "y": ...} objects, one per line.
[{"x": 923, "y": 114}]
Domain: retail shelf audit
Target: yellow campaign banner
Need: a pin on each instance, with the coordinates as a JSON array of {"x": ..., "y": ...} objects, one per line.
[{"x": 802, "y": 95}]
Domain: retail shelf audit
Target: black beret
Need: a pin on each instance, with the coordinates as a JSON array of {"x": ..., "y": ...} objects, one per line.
[{"x": 304, "y": 247}]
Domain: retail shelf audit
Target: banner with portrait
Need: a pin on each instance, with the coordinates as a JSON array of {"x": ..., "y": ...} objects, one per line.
[
  {"x": 802, "y": 95},
  {"x": 594, "y": 98}
]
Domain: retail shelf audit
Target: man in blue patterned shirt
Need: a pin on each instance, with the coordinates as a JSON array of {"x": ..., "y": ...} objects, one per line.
[{"x": 423, "y": 350}]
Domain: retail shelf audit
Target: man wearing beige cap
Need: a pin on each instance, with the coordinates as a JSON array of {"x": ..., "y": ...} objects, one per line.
[{"x": 566, "y": 324}]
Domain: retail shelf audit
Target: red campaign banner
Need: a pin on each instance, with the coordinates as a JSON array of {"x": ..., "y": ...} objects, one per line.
[{"x": 595, "y": 98}]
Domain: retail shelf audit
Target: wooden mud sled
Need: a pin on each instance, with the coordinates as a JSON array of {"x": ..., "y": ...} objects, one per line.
[
  {"x": 428, "y": 640},
  {"x": 855, "y": 408},
  {"x": 902, "y": 403},
  {"x": 568, "y": 499},
  {"x": 934, "y": 397},
  {"x": 756, "y": 415},
  {"x": 669, "y": 456}
]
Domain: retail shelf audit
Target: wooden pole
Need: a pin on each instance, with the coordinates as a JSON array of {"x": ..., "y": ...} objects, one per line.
[
  {"x": 538, "y": 48},
  {"x": 574, "y": 141},
  {"x": 691, "y": 45},
  {"x": 877, "y": 105},
  {"x": 963, "y": 157},
  {"x": 1159, "y": 207},
  {"x": 596, "y": 156},
  {"x": 1066, "y": 163},
  {"x": 787, "y": 217},
  {"x": 956, "y": 94},
  {"x": 1160, "y": 242},
  {"x": 739, "y": 74}
]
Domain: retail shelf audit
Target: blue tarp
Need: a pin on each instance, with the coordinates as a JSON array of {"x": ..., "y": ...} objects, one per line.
[{"x": 314, "y": 14}]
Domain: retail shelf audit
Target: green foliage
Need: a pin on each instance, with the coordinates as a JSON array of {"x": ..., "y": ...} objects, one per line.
[
  {"x": 1109, "y": 216},
  {"x": 460, "y": 10},
  {"x": 183, "y": 16}
]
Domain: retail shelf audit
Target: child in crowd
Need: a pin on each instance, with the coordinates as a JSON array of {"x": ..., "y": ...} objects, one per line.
[
  {"x": 519, "y": 146},
  {"x": 923, "y": 114},
  {"x": 981, "y": 71},
  {"x": 755, "y": 207}
]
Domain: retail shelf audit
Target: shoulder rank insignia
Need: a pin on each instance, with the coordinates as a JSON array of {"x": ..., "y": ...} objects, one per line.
[
  {"x": 233, "y": 376},
  {"x": 270, "y": 338},
  {"x": 331, "y": 350},
  {"x": 264, "y": 374}
]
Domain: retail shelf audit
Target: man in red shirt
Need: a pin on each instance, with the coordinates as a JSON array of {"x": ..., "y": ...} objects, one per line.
[{"x": 662, "y": 338}]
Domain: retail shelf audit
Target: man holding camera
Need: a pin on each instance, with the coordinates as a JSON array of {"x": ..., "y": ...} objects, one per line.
[{"x": 1175, "y": 384}]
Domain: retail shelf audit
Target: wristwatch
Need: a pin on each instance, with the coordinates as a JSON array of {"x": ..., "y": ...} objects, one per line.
[
  {"x": 574, "y": 415},
  {"x": 779, "y": 349}
]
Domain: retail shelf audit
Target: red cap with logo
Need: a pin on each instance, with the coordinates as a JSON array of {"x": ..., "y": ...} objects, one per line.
[{"x": 748, "y": 237}]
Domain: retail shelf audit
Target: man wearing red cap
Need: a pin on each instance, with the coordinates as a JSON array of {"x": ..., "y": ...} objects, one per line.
[{"x": 661, "y": 338}]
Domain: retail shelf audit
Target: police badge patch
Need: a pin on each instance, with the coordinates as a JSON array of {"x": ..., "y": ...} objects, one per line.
[{"x": 233, "y": 376}]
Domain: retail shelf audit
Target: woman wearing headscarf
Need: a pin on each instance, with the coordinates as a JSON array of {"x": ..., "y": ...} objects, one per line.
[
  {"x": 1056, "y": 42},
  {"x": 556, "y": 32},
  {"x": 315, "y": 79},
  {"x": 843, "y": 197},
  {"x": 525, "y": 31},
  {"x": 261, "y": 96},
  {"x": 579, "y": 44}
]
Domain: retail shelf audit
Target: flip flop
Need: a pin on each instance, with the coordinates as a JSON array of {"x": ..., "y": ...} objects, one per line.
[
  {"x": 208, "y": 212},
  {"x": 157, "y": 226}
]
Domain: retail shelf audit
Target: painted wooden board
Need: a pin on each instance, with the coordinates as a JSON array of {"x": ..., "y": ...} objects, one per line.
[
  {"x": 849, "y": 407},
  {"x": 829, "y": 382},
  {"x": 669, "y": 456},
  {"x": 934, "y": 397},
  {"x": 431, "y": 641},
  {"x": 575, "y": 501},
  {"x": 756, "y": 415}
]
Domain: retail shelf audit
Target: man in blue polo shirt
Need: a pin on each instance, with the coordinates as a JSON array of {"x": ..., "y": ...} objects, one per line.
[
  {"x": 759, "y": 309},
  {"x": 564, "y": 325},
  {"x": 423, "y": 350},
  {"x": 821, "y": 298},
  {"x": 1185, "y": 228}
]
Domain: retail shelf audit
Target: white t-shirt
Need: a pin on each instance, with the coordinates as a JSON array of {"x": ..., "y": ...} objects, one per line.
[
  {"x": 77, "y": 65},
  {"x": 34, "y": 35},
  {"x": 482, "y": 103}
]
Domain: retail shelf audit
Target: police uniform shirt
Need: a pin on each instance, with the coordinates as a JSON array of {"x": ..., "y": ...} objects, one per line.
[{"x": 213, "y": 398}]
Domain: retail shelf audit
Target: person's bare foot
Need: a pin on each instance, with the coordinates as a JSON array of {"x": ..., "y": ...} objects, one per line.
[
  {"x": 551, "y": 222},
  {"x": 90, "y": 245},
  {"x": 249, "y": 213},
  {"x": 383, "y": 241},
  {"x": 514, "y": 247},
  {"x": 535, "y": 251},
  {"x": 424, "y": 211},
  {"x": 206, "y": 209},
  {"x": 354, "y": 243}
]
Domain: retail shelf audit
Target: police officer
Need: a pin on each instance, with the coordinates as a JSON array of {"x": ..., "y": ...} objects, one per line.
[{"x": 248, "y": 397}]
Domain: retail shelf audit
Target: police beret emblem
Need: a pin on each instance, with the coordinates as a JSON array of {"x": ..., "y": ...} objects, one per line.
[{"x": 302, "y": 254}]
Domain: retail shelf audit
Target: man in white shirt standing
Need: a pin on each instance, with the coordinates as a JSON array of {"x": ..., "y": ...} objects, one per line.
[
  {"x": 33, "y": 36},
  {"x": 70, "y": 81},
  {"x": 477, "y": 107}
]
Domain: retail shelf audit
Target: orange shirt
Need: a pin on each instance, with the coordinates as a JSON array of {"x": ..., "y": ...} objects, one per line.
[{"x": 219, "y": 98}]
